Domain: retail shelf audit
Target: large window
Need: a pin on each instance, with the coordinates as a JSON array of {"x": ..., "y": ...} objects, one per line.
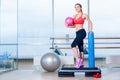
[
  {"x": 34, "y": 27},
  {"x": 8, "y": 35}
]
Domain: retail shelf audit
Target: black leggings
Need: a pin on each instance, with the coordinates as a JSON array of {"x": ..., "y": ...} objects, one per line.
[{"x": 78, "y": 41}]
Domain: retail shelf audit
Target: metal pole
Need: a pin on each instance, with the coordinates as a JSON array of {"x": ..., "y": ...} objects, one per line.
[
  {"x": 0, "y": 21},
  {"x": 17, "y": 38},
  {"x": 88, "y": 13},
  {"x": 88, "y": 8},
  {"x": 53, "y": 22},
  {"x": 53, "y": 18}
]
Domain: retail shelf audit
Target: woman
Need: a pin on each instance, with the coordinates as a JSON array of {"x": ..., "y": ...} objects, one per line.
[{"x": 79, "y": 19}]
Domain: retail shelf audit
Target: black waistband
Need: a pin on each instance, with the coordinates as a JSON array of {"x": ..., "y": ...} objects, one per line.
[{"x": 80, "y": 30}]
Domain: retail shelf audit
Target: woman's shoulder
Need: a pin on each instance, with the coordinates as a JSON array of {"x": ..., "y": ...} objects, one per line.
[
  {"x": 74, "y": 15},
  {"x": 84, "y": 14}
]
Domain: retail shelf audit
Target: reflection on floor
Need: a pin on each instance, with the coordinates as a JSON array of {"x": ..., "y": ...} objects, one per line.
[
  {"x": 27, "y": 72},
  {"x": 28, "y": 63},
  {"x": 107, "y": 74}
]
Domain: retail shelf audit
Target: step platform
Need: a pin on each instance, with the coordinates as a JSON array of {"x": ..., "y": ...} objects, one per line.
[{"x": 69, "y": 70}]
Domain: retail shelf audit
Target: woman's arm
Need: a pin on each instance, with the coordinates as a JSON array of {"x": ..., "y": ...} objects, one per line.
[
  {"x": 69, "y": 26},
  {"x": 89, "y": 22}
]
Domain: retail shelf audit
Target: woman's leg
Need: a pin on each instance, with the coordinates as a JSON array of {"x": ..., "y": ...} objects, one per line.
[
  {"x": 75, "y": 50},
  {"x": 82, "y": 57},
  {"x": 80, "y": 35},
  {"x": 80, "y": 46}
]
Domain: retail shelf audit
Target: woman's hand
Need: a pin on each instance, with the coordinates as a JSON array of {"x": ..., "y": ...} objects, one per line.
[
  {"x": 66, "y": 24},
  {"x": 91, "y": 31},
  {"x": 69, "y": 26}
]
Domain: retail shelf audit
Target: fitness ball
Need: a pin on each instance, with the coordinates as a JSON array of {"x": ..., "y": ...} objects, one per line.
[{"x": 50, "y": 62}]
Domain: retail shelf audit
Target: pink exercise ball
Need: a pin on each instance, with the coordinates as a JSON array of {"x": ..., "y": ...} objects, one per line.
[{"x": 69, "y": 21}]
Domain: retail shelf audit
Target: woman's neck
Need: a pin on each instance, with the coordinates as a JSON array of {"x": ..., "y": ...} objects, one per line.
[{"x": 80, "y": 13}]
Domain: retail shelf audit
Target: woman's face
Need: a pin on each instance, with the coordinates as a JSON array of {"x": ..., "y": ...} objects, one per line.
[{"x": 77, "y": 8}]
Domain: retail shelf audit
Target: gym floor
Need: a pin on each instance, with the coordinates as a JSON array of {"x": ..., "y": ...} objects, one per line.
[
  {"x": 107, "y": 74},
  {"x": 27, "y": 72}
]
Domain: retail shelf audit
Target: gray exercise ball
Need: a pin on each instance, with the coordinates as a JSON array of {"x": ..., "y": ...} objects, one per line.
[{"x": 50, "y": 62}]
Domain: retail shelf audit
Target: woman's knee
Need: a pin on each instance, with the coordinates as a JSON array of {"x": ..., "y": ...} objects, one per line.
[
  {"x": 81, "y": 48},
  {"x": 73, "y": 45}
]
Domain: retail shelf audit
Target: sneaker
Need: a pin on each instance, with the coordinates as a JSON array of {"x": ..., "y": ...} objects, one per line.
[
  {"x": 81, "y": 66},
  {"x": 78, "y": 63}
]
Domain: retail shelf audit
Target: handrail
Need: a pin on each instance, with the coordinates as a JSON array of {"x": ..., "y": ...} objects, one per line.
[
  {"x": 9, "y": 44},
  {"x": 96, "y": 47},
  {"x": 87, "y": 43},
  {"x": 87, "y": 47},
  {"x": 61, "y": 38}
]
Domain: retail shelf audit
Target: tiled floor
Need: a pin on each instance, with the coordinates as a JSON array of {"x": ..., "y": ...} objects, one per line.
[{"x": 107, "y": 74}]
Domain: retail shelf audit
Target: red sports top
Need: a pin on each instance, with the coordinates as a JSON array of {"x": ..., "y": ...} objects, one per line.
[{"x": 80, "y": 20}]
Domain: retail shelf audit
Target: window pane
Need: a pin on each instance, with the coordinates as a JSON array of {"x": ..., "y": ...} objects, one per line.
[
  {"x": 105, "y": 16},
  {"x": 8, "y": 28},
  {"x": 34, "y": 24}
]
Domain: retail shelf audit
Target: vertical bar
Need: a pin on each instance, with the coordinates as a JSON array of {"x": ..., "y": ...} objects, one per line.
[
  {"x": 53, "y": 18},
  {"x": 17, "y": 37},
  {"x": 88, "y": 8},
  {"x": 91, "y": 58},
  {"x": 88, "y": 13},
  {"x": 53, "y": 23},
  {"x": 0, "y": 21}
]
